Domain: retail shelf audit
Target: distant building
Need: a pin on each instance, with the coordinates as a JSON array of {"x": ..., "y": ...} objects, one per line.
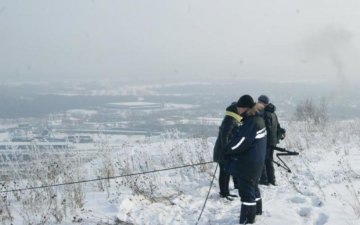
[
  {"x": 33, "y": 145},
  {"x": 80, "y": 139},
  {"x": 135, "y": 105}
]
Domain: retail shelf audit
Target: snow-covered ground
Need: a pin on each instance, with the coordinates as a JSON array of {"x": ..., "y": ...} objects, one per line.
[{"x": 323, "y": 188}]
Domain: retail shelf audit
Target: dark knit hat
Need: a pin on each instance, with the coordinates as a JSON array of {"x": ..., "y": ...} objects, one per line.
[
  {"x": 264, "y": 99},
  {"x": 245, "y": 101}
]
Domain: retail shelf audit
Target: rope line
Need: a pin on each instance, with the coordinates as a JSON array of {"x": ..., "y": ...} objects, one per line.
[
  {"x": 105, "y": 178},
  {"x": 207, "y": 196}
]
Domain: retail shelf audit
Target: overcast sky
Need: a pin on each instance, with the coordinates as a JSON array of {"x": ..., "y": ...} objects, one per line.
[{"x": 179, "y": 40}]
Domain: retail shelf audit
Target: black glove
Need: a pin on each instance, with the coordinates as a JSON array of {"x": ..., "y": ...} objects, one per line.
[{"x": 282, "y": 133}]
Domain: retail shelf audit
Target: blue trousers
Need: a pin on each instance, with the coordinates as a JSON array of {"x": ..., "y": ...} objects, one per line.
[
  {"x": 251, "y": 206},
  {"x": 248, "y": 191}
]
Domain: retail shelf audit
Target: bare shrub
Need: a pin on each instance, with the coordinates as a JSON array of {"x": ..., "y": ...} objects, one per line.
[
  {"x": 106, "y": 168},
  {"x": 55, "y": 205},
  {"x": 43, "y": 167},
  {"x": 5, "y": 205},
  {"x": 75, "y": 196},
  {"x": 203, "y": 155},
  {"x": 311, "y": 112}
]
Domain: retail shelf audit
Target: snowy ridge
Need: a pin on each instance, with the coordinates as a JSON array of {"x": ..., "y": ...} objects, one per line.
[{"x": 324, "y": 187}]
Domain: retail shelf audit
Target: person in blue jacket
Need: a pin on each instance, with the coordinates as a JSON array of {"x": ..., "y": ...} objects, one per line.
[{"x": 247, "y": 151}]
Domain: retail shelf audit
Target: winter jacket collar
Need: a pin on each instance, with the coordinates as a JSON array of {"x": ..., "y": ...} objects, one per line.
[{"x": 236, "y": 116}]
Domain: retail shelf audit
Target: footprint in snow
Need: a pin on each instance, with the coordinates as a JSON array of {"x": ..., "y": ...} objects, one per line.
[
  {"x": 297, "y": 200},
  {"x": 304, "y": 212},
  {"x": 316, "y": 201},
  {"x": 322, "y": 219},
  {"x": 309, "y": 193}
]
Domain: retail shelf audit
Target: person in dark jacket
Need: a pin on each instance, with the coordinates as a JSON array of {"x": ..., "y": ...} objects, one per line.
[
  {"x": 230, "y": 122},
  {"x": 274, "y": 134},
  {"x": 247, "y": 151}
]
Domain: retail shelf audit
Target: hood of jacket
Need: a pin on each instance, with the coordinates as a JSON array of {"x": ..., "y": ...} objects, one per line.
[
  {"x": 232, "y": 108},
  {"x": 270, "y": 108}
]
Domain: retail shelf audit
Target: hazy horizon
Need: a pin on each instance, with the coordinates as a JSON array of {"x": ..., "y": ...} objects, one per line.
[{"x": 179, "y": 41}]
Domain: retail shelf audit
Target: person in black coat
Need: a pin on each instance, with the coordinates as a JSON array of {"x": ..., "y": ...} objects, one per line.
[
  {"x": 274, "y": 134},
  {"x": 229, "y": 123},
  {"x": 247, "y": 151}
]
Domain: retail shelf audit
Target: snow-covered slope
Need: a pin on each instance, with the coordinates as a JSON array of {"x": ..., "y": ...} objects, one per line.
[{"x": 323, "y": 188}]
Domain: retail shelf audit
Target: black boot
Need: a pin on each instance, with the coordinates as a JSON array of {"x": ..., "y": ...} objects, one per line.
[
  {"x": 233, "y": 196},
  {"x": 258, "y": 206},
  {"x": 227, "y": 196},
  {"x": 272, "y": 182},
  {"x": 264, "y": 182},
  {"x": 248, "y": 213}
]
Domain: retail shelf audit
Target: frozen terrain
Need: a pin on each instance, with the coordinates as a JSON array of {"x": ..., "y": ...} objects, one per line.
[{"x": 324, "y": 187}]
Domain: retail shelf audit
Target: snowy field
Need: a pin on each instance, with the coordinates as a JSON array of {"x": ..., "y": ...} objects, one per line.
[{"x": 324, "y": 187}]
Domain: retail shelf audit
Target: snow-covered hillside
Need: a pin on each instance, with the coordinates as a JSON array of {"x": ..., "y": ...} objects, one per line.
[{"x": 324, "y": 187}]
